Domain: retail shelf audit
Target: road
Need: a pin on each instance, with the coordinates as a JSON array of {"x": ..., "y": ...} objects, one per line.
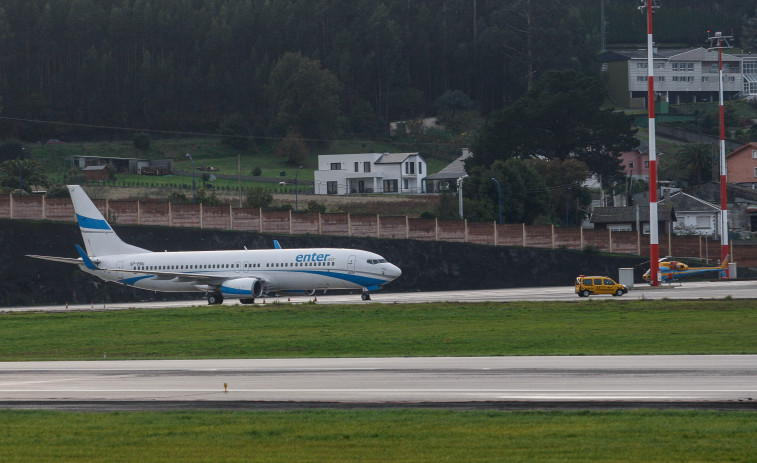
[
  {"x": 746, "y": 289},
  {"x": 388, "y": 381}
]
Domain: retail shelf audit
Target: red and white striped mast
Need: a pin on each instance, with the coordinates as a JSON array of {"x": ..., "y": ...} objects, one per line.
[
  {"x": 654, "y": 246},
  {"x": 720, "y": 41}
]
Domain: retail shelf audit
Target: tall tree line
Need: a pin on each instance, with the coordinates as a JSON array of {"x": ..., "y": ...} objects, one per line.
[{"x": 187, "y": 65}]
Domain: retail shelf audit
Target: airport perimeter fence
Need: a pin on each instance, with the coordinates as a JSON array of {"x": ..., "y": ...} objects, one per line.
[{"x": 368, "y": 225}]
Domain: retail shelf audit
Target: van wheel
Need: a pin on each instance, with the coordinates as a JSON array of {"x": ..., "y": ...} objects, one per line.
[
  {"x": 585, "y": 293},
  {"x": 619, "y": 292}
]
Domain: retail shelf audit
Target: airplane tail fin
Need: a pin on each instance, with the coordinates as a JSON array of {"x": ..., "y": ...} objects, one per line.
[
  {"x": 99, "y": 237},
  {"x": 725, "y": 261}
]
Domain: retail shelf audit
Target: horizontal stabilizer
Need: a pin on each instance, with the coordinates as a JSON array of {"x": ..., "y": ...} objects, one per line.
[{"x": 65, "y": 260}]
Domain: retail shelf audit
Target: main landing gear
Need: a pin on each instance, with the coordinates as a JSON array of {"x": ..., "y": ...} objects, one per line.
[
  {"x": 215, "y": 298},
  {"x": 247, "y": 301}
]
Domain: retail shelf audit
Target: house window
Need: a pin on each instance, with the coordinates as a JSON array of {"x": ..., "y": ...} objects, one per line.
[
  {"x": 646, "y": 164},
  {"x": 754, "y": 154},
  {"x": 660, "y": 66},
  {"x": 690, "y": 67},
  {"x": 675, "y": 66},
  {"x": 661, "y": 79},
  {"x": 641, "y": 78},
  {"x": 336, "y": 166},
  {"x": 357, "y": 166},
  {"x": 755, "y": 171},
  {"x": 731, "y": 79},
  {"x": 420, "y": 168},
  {"x": 703, "y": 222},
  {"x": 331, "y": 188},
  {"x": 641, "y": 65},
  {"x": 630, "y": 165},
  {"x": 390, "y": 186},
  {"x": 409, "y": 167},
  {"x": 366, "y": 167},
  {"x": 690, "y": 78},
  {"x": 705, "y": 79}
]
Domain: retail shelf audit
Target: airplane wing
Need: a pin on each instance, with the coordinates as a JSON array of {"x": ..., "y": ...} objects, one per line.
[
  {"x": 185, "y": 277},
  {"x": 65, "y": 260}
]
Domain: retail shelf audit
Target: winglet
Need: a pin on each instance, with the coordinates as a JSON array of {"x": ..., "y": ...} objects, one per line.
[
  {"x": 276, "y": 244},
  {"x": 87, "y": 261}
]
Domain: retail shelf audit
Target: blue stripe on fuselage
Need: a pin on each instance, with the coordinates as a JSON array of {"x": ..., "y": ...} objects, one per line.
[
  {"x": 92, "y": 224},
  {"x": 131, "y": 281}
]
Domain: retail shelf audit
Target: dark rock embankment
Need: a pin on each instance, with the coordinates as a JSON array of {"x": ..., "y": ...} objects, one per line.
[{"x": 426, "y": 265}]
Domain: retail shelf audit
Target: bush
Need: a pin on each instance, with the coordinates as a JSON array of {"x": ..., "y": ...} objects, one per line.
[
  {"x": 257, "y": 172},
  {"x": 141, "y": 141},
  {"x": 258, "y": 197},
  {"x": 315, "y": 206}
]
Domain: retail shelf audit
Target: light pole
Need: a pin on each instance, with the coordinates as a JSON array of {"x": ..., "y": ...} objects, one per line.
[
  {"x": 194, "y": 188},
  {"x": 21, "y": 173},
  {"x": 499, "y": 193},
  {"x": 296, "y": 188}
]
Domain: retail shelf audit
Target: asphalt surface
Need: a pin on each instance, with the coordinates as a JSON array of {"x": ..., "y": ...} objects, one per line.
[
  {"x": 737, "y": 289},
  {"x": 718, "y": 381}
]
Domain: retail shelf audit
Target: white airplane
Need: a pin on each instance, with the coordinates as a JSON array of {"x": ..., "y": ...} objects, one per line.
[{"x": 244, "y": 275}]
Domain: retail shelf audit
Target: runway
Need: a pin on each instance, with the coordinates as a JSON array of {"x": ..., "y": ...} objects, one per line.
[
  {"x": 481, "y": 382},
  {"x": 738, "y": 289},
  {"x": 434, "y": 381}
]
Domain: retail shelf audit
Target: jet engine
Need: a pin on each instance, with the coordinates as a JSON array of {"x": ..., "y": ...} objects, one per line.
[{"x": 243, "y": 287}]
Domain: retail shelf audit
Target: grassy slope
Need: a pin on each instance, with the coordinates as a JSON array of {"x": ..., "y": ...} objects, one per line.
[{"x": 578, "y": 328}]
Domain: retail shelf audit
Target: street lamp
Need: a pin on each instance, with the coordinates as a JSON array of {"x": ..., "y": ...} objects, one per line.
[
  {"x": 194, "y": 188},
  {"x": 499, "y": 192},
  {"x": 296, "y": 188}
]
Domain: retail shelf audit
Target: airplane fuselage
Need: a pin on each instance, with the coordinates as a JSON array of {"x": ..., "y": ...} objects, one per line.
[{"x": 278, "y": 269}]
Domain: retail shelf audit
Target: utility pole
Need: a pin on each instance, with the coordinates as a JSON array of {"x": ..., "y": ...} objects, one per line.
[
  {"x": 654, "y": 246},
  {"x": 720, "y": 41}
]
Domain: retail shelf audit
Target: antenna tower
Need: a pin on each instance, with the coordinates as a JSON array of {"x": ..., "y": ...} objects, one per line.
[
  {"x": 648, "y": 7},
  {"x": 718, "y": 42}
]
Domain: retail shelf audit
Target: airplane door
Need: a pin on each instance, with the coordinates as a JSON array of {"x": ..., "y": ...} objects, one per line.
[{"x": 351, "y": 264}]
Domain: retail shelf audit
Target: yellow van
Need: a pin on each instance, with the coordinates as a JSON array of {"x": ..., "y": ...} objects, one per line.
[{"x": 586, "y": 286}]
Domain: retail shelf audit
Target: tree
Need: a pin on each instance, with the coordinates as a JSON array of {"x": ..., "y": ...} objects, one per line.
[
  {"x": 559, "y": 118},
  {"x": 293, "y": 148},
  {"x": 258, "y": 197},
  {"x": 235, "y": 131},
  {"x": 29, "y": 175},
  {"x": 303, "y": 97},
  {"x": 695, "y": 161},
  {"x": 141, "y": 141},
  {"x": 524, "y": 193}
]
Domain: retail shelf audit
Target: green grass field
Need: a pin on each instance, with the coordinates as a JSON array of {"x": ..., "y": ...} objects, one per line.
[
  {"x": 378, "y": 436},
  {"x": 445, "y": 329}
]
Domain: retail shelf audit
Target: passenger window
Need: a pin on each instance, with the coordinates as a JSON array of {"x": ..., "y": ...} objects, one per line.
[{"x": 608, "y": 282}]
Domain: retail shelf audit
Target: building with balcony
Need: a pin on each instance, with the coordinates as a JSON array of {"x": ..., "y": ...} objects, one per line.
[
  {"x": 392, "y": 173},
  {"x": 681, "y": 76}
]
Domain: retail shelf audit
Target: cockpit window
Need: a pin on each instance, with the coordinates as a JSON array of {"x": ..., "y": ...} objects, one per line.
[{"x": 376, "y": 261}]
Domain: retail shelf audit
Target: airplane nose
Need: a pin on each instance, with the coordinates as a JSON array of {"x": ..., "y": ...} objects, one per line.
[{"x": 393, "y": 271}]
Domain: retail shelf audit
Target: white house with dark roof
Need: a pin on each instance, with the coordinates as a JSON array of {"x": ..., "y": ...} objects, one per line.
[
  {"x": 447, "y": 178},
  {"x": 395, "y": 173}
]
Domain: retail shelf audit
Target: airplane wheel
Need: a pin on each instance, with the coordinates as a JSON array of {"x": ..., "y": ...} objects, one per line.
[
  {"x": 365, "y": 297},
  {"x": 619, "y": 292},
  {"x": 215, "y": 299},
  {"x": 585, "y": 293},
  {"x": 247, "y": 301}
]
